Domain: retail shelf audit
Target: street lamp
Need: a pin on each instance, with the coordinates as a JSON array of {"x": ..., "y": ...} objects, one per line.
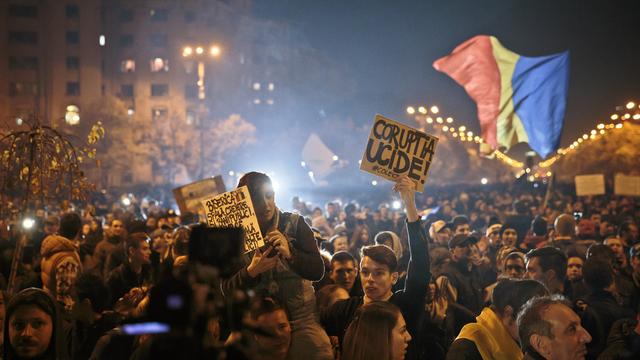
[{"x": 198, "y": 53}]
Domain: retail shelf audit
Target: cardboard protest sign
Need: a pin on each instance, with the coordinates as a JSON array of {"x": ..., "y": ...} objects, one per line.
[
  {"x": 235, "y": 209},
  {"x": 626, "y": 185},
  {"x": 189, "y": 197},
  {"x": 395, "y": 149},
  {"x": 590, "y": 185}
]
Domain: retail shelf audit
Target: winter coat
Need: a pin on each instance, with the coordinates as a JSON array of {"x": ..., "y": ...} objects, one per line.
[{"x": 60, "y": 266}]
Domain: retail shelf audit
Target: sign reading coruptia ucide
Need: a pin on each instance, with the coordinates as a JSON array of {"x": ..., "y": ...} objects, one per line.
[
  {"x": 235, "y": 209},
  {"x": 395, "y": 149}
]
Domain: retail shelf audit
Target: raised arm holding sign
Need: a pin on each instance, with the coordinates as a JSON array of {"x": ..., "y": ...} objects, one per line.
[{"x": 395, "y": 149}]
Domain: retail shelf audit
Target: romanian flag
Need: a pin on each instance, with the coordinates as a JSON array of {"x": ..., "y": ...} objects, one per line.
[{"x": 519, "y": 98}]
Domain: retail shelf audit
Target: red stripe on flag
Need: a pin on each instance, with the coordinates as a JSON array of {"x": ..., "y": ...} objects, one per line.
[{"x": 473, "y": 66}]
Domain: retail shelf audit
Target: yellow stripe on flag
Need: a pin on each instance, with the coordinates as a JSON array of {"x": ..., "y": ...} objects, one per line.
[{"x": 509, "y": 126}]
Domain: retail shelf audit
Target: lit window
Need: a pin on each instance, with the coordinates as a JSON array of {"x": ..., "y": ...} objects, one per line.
[
  {"x": 72, "y": 116},
  {"x": 19, "y": 121},
  {"x": 159, "y": 64},
  {"x": 102, "y": 40},
  {"x": 256, "y": 101},
  {"x": 158, "y": 113},
  {"x": 131, "y": 111},
  {"x": 271, "y": 86},
  {"x": 128, "y": 65},
  {"x": 269, "y": 101},
  {"x": 159, "y": 89},
  {"x": 256, "y": 86}
]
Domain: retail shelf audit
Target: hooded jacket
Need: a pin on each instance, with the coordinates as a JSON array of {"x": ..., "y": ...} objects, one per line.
[
  {"x": 39, "y": 298},
  {"x": 396, "y": 244},
  {"x": 60, "y": 266}
]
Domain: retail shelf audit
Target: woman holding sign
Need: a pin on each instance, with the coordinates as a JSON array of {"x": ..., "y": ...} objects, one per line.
[{"x": 284, "y": 269}]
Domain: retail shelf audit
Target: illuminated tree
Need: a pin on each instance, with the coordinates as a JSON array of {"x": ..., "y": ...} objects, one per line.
[
  {"x": 223, "y": 137},
  {"x": 41, "y": 165}
]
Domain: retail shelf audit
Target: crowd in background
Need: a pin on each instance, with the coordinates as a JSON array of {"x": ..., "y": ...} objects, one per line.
[{"x": 455, "y": 274}]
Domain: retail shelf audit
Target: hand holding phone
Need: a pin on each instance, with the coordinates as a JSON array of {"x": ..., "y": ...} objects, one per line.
[
  {"x": 261, "y": 262},
  {"x": 280, "y": 243}
]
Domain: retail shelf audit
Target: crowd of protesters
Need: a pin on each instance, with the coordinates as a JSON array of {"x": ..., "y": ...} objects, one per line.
[{"x": 453, "y": 275}]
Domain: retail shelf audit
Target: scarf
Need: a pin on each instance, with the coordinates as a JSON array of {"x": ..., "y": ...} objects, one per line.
[{"x": 491, "y": 337}]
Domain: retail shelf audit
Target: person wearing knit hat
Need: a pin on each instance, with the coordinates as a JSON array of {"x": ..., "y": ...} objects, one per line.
[
  {"x": 32, "y": 327},
  {"x": 60, "y": 266},
  {"x": 493, "y": 233},
  {"x": 508, "y": 235},
  {"x": 440, "y": 233}
]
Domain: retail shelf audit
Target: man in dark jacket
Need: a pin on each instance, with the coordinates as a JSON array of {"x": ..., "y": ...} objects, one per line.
[
  {"x": 92, "y": 321},
  {"x": 460, "y": 278},
  {"x": 135, "y": 271},
  {"x": 378, "y": 274},
  {"x": 602, "y": 309},
  {"x": 623, "y": 342},
  {"x": 112, "y": 242}
]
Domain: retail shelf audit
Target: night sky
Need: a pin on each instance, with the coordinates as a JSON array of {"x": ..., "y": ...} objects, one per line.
[{"x": 387, "y": 48}]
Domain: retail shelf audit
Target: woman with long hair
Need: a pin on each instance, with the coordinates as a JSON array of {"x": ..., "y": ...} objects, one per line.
[
  {"x": 377, "y": 332},
  {"x": 361, "y": 237}
]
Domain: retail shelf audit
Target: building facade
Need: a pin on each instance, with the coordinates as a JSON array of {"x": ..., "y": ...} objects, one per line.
[{"x": 175, "y": 64}]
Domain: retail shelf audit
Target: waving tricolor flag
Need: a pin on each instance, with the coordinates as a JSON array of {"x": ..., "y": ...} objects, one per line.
[{"x": 519, "y": 98}]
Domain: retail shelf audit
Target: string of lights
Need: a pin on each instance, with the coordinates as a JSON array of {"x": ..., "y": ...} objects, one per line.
[{"x": 446, "y": 125}]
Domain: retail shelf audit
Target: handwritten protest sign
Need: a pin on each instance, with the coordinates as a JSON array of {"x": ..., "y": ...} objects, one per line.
[
  {"x": 395, "y": 149},
  {"x": 590, "y": 185},
  {"x": 626, "y": 185},
  {"x": 235, "y": 209},
  {"x": 189, "y": 197}
]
